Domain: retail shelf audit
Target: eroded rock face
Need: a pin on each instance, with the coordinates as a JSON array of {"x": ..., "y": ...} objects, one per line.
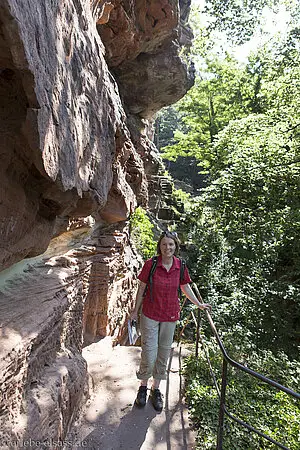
[
  {"x": 64, "y": 137},
  {"x": 163, "y": 72},
  {"x": 65, "y": 142},
  {"x": 138, "y": 27},
  {"x": 91, "y": 285},
  {"x": 79, "y": 84},
  {"x": 108, "y": 303},
  {"x": 142, "y": 41},
  {"x": 43, "y": 375}
]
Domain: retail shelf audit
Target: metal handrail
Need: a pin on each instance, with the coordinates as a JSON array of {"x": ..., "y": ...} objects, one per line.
[{"x": 222, "y": 393}]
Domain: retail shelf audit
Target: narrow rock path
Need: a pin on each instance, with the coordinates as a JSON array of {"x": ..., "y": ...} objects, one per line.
[{"x": 112, "y": 422}]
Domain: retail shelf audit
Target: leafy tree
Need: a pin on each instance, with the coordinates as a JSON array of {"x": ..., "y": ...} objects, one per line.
[
  {"x": 242, "y": 232},
  {"x": 167, "y": 121},
  {"x": 237, "y": 19},
  {"x": 246, "y": 222},
  {"x": 252, "y": 211},
  {"x": 222, "y": 93},
  {"x": 183, "y": 169}
]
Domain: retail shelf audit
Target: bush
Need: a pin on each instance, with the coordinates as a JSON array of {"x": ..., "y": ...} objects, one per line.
[
  {"x": 142, "y": 235},
  {"x": 271, "y": 411}
]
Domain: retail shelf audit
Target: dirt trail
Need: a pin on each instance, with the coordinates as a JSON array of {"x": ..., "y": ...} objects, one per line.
[{"x": 112, "y": 422}]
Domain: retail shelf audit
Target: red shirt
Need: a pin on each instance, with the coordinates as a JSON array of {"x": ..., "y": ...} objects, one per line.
[{"x": 165, "y": 304}]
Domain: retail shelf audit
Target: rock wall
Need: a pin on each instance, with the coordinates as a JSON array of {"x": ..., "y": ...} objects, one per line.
[
  {"x": 79, "y": 83},
  {"x": 84, "y": 273},
  {"x": 65, "y": 140}
]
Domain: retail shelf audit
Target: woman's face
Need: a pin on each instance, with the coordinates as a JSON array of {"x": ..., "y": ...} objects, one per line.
[{"x": 167, "y": 246}]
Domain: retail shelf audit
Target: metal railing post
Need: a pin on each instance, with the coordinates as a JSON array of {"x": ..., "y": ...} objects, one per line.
[
  {"x": 222, "y": 406},
  {"x": 197, "y": 333}
]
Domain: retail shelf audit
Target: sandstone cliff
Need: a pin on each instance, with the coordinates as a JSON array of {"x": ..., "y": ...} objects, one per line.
[{"x": 80, "y": 83}]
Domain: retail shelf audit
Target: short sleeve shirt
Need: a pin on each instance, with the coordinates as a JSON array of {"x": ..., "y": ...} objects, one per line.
[{"x": 165, "y": 305}]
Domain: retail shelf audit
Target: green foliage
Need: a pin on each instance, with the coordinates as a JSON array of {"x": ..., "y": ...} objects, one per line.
[
  {"x": 243, "y": 236},
  {"x": 223, "y": 92},
  {"x": 242, "y": 125},
  {"x": 237, "y": 19},
  {"x": 270, "y": 411},
  {"x": 182, "y": 197},
  {"x": 142, "y": 233},
  {"x": 248, "y": 261},
  {"x": 244, "y": 228},
  {"x": 167, "y": 121},
  {"x": 250, "y": 216}
]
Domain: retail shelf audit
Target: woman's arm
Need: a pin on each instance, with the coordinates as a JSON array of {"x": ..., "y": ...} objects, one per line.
[
  {"x": 138, "y": 300},
  {"x": 187, "y": 290}
]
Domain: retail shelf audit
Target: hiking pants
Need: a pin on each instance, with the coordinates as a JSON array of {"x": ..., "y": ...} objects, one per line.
[{"x": 157, "y": 339}]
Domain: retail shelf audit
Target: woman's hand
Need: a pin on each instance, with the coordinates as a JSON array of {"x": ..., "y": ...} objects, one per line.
[
  {"x": 205, "y": 306},
  {"x": 134, "y": 315},
  {"x": 139, "y": 301},
  {"x": 187, "y": 290}
]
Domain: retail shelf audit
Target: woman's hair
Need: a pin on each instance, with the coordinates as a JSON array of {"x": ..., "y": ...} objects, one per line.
[{"x": 172, "y": 235}]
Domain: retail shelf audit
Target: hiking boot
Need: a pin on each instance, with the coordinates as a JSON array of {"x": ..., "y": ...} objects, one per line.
[
  {"x": 141, "y": 396},
  {"x": 156, "y": 399}
]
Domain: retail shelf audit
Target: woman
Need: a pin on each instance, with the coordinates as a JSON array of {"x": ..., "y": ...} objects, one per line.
[{"x": 160, "y": 311}]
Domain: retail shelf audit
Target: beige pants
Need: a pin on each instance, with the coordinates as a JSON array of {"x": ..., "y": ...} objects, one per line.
[{"x": 157, "y": 339}]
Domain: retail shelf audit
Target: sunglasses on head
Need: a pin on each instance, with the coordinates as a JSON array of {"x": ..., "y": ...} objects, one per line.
[{"x": 169, "y": 234}]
